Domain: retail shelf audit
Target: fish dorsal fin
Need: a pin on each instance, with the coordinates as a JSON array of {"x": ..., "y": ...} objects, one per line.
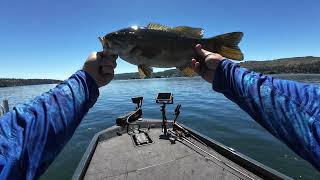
[
  {"x": 156, "y": 26},
  {"x": 188, "y": 31},
  {"x": 181, "y": 30}
]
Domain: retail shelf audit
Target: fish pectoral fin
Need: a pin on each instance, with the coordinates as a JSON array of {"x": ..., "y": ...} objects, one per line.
[
  {"x": 188, "y": 31},
  {"x": 156, "y": 26},
  {"x": 187, "y": 70},
  {"x": 150, "y": 53},
  {"x": 136, "y": 51},
  {"x": 145, "y": 71}
]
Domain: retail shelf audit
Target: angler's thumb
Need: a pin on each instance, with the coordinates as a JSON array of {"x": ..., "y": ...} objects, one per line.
[{"x": 203, "y": 53}]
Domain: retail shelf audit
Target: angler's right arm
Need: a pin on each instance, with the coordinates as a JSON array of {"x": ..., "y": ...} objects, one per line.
[{"x": 289, "y": 110}]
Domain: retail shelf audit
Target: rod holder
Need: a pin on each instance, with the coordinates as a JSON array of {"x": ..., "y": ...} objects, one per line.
[
  {"x": 4, "y": 107},
  {"x": 5, "y": 104}
]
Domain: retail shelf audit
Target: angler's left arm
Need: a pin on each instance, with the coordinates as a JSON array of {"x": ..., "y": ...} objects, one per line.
[{"x": 287, "y": 109}]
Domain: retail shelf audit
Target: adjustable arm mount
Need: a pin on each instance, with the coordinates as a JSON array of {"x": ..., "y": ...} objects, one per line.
[{"x": 163, "y": 99}]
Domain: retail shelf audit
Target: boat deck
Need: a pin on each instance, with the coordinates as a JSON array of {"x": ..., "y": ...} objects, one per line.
[{"x": 117, "y": 157}]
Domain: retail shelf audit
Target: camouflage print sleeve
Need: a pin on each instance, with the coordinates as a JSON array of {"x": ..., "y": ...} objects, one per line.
[
  {"x": 33, "y": 134},
  {"x": 289, "y": 110}
]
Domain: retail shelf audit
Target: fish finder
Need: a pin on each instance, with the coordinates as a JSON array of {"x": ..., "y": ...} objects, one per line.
[{"x": 164, "y": 98}]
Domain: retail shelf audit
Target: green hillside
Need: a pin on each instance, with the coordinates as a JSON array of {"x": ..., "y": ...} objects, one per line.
[
  {"x": 7, "y": 82},
  {"x": 306, "y": 65}
]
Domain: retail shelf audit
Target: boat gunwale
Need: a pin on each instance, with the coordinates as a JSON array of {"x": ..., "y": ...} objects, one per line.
[{"x": 236, "y": 157}]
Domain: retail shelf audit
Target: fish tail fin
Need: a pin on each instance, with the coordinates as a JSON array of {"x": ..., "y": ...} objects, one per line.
[{"x": 226, "y": 45}]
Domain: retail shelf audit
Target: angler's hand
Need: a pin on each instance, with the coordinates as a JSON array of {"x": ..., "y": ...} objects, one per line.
[
  {"x": 100, "y": 66},
  {"x": 211, "y": 60}
]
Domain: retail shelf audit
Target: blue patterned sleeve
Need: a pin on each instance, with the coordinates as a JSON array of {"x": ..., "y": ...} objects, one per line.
[
  {"x": 32, "y": 134},
  {"x": 289, "y": 110}
]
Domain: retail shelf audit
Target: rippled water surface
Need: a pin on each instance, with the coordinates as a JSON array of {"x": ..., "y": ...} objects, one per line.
[{"x": 202, "y": 109}]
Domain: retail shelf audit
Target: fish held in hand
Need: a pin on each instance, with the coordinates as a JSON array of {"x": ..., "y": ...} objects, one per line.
[{"x": 165, "y": 47}]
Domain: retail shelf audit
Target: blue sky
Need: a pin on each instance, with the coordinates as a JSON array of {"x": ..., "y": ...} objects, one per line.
[{"x": 52, "y": 38}]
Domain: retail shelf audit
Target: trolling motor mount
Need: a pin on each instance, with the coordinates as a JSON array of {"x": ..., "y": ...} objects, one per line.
[
  {"x": 137, "y": 101},
  {"x": 132, "y": 116}
]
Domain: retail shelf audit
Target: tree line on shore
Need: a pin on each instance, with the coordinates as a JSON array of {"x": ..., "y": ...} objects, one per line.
[
  {"x": 305, "y": 65},
  {"x": 8, "y": 82}
]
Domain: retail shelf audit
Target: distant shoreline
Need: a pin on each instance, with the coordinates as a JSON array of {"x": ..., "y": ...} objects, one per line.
[
  {"x": 10, "y": 82},
  {"x": 295, "y": 65},
  {"x": 275, "y": 75}
]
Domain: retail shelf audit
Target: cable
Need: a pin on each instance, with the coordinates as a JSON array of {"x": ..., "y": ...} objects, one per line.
[{"x": 183, "y": 138}]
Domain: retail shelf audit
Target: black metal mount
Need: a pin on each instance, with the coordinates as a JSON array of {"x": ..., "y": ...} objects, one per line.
[
  {"x": 138, "y": 101},
  {"x": 176, "y": 113},
  {"x": 164, "y": 118},
  {"x": 132, "y": 116},
  {"x": 164, "y": 99}
]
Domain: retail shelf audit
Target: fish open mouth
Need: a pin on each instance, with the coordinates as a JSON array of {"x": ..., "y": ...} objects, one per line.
[
  {"x": 105, "y": 43},
  {"x": 110, "y": 44}
]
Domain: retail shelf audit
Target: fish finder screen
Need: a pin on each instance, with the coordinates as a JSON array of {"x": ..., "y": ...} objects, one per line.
[{"x": 164, "y": 98}]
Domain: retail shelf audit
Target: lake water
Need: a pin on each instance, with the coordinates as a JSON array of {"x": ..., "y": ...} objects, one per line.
[{"x": 202, "y": 109}]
